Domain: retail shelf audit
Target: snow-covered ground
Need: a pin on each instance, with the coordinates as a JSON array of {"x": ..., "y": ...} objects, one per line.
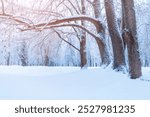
[{"x": 70, "y": 83}]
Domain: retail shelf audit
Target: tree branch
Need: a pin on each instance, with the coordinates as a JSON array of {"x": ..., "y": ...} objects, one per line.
[
  {"x": 77, "y": 18},
  {"x": 66, "y": 41},
  {"x": 67, "y": 25},
  {"x": 11, "y": 17}
]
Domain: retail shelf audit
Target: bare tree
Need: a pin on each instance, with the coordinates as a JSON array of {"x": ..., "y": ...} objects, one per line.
[
  {"x": 117, "y": 42},
  {"x": 83, "y": 39},
  {"x": 101, "y": 31},
  {"x": 130, "y": 36}
]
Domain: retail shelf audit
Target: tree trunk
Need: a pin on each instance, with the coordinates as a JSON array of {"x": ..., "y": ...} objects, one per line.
[
  {"x": 117, "y": 42},
  {"x": 23, "y": 54},
  {"x": 101, "y": 31},
  {"x": 103, "y": 51},
  {"x": 130, "y": 36},
  {"x": 46, "y": 60},
  {"x": 83, "y": 52},
  {"x": 83, "y": 40}
]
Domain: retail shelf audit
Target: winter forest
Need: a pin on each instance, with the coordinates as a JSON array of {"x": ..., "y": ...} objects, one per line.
[{"x": 76, "y": 33}]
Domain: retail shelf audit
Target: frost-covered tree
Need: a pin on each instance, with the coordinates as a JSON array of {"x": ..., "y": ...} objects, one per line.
[
  {"x": 114, "y": 31},
  {"x": 74, "y": 32},
  {"x": 130, "y": 36}
]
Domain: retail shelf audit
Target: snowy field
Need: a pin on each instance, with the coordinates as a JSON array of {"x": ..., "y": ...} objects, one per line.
[{"x": 70, "y": 83}]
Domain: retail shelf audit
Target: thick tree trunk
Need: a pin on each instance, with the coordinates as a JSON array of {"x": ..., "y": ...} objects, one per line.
[
  {"x": 83, "y": 40},
  {"x": 103, "y": 51},
  {"x": 117, "y": 42},
  {"x": 130, "y": 36},
  {"x": 101, "y": 31}
]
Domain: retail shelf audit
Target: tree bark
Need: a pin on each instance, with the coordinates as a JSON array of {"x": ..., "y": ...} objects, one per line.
[
  {"x": 101, "y": 31},
  {"x": 83, "y": 53},
  {"x": 103, "y": 52},
  {"x": 130, "y": 36},
  {"x": 117, "y": 42}
]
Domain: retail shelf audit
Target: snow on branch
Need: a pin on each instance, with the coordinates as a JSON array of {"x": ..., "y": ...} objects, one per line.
[
  {"x": 69, "y": 19},
  {"x": 66, "y": 25},
  {"x": 54, "y": 24},
  {"x": 19, "y": 20}
]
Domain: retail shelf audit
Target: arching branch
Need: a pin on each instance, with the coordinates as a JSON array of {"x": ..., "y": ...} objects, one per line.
[
  {"x": 17, "y": 20},
  {"x": 67, "y": 25},
  {"x": 69, "y": 19}
]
